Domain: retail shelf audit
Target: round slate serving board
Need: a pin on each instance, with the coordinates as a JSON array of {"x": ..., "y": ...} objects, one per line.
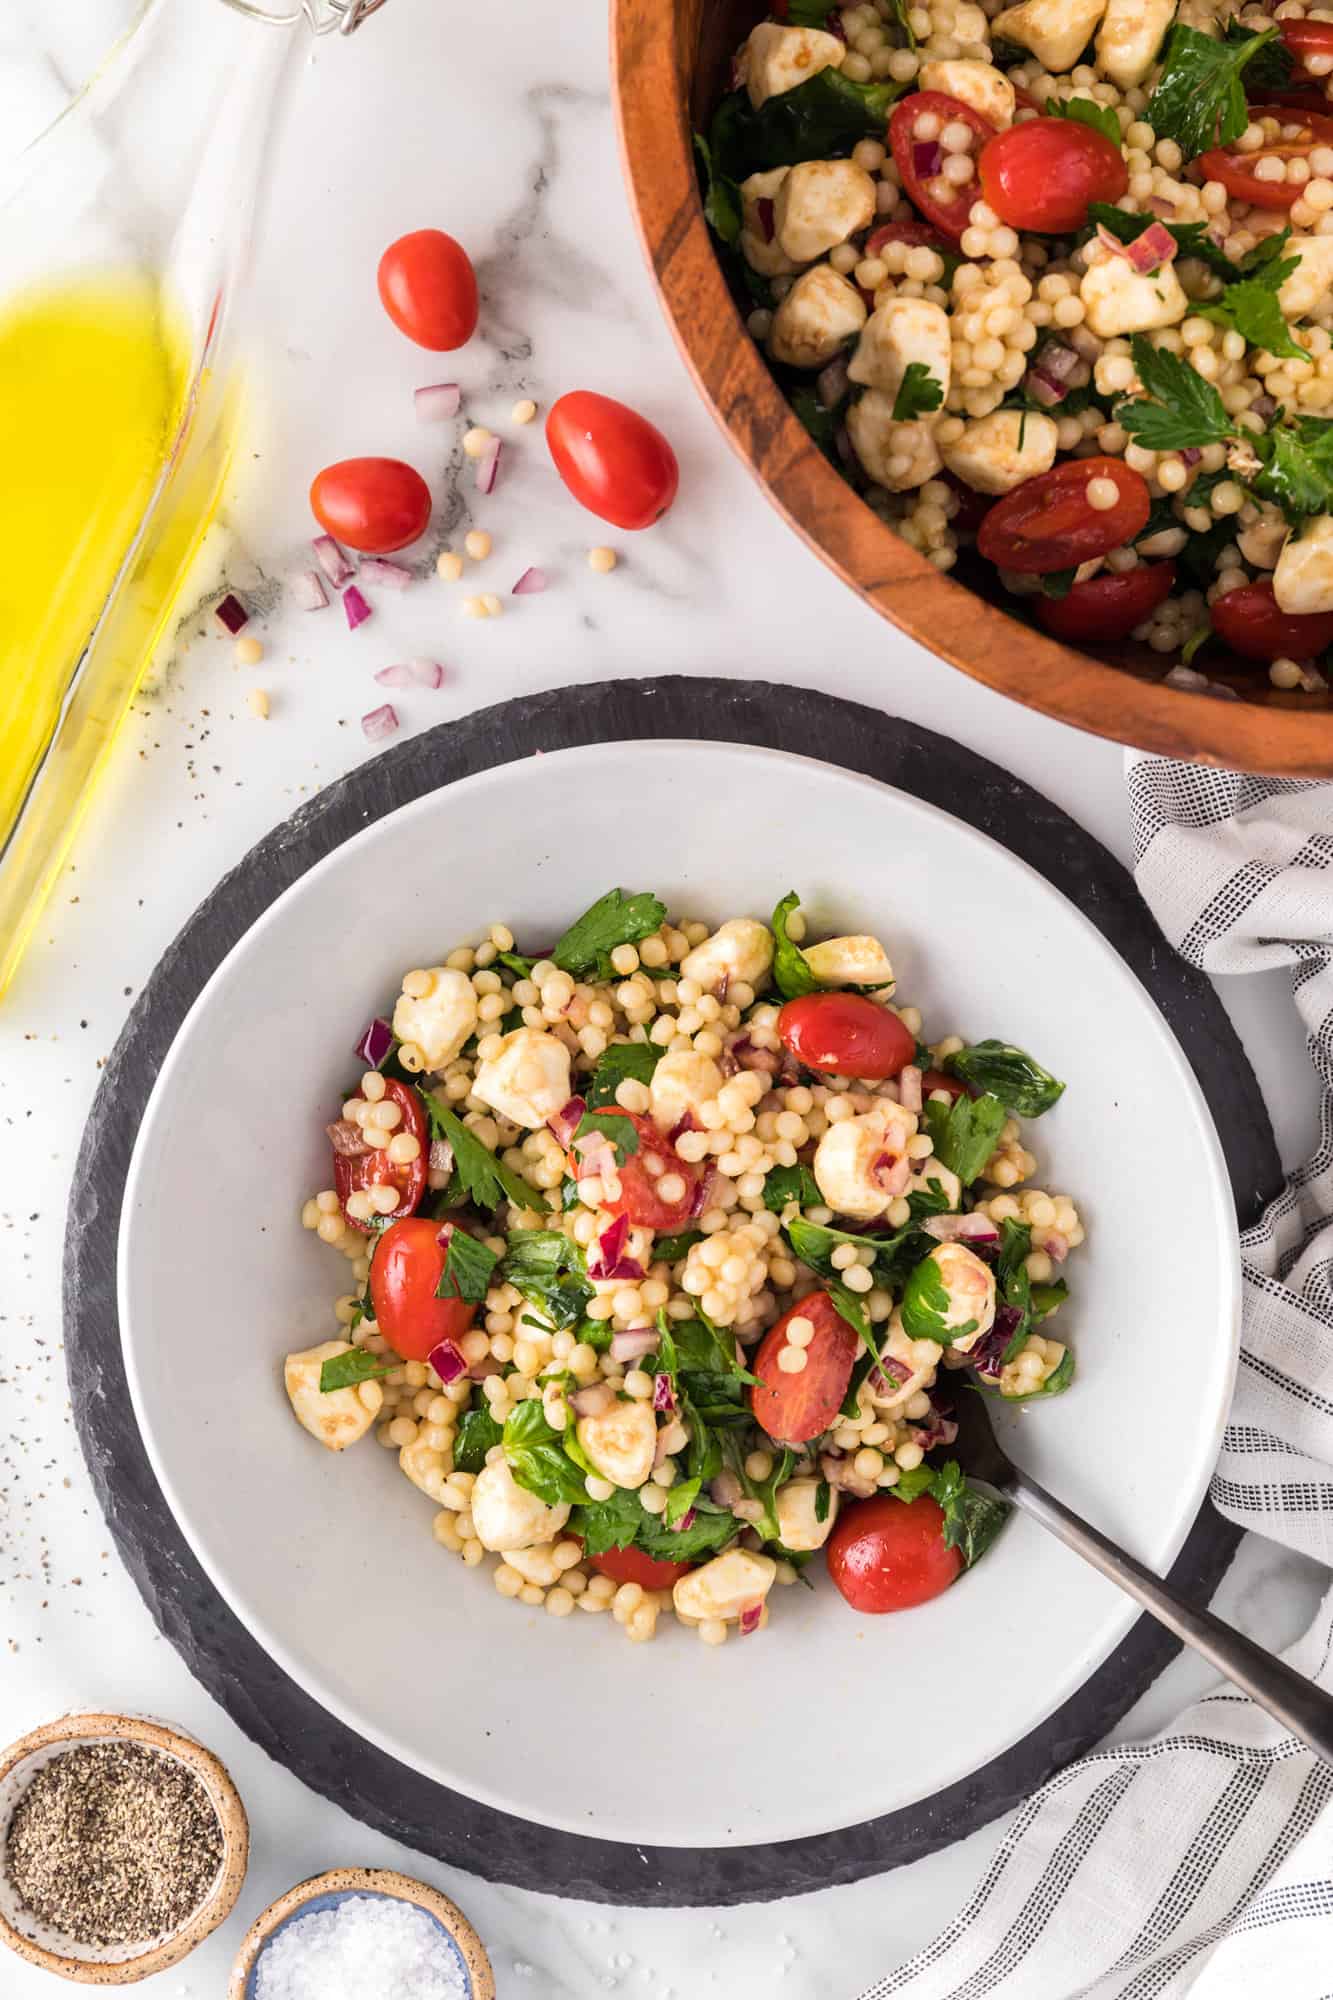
[{"x": 215, "y": 1645}]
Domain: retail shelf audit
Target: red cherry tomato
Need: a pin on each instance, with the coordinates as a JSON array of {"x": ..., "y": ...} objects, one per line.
[
  {"x": 407, "y": 1266},
  {"x": 845, "y": 1034},
  {"x": 429, "y": 289},
  {"x": 887, "y": 1555},
  {"x": 371, "y": 504},
  {"x": 641, "y": 1178},
  {"x": 1305, "y": 39},
  {"x": 614, "y": 462},
  {"x": 1047, "y": 523},
  {"x": 919, "y": 160},
  {"x": 1250, "y": 621},
  {"x": 1106, "y": 607},
  {"x": 633, "y": 1566},
  {"x": 367, "y": 1168},
  {"x": 1043, "y": 173},
  {"x": 916, "y": 235},
  {"x": 797, "y": 1407},
  {"x": 973, "y": 507},
  {"x": 936, "y": 1079},
  {"x": 1302, "y": 131},
  {"x": 1025, "y": 101}
]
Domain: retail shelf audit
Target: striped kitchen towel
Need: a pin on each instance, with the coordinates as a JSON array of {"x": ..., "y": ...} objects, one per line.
[{"x": 1202, "y": 1862}]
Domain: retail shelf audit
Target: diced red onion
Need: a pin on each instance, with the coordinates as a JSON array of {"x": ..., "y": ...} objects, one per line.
[
  {"x": 725, "y": 1489},
  {"x": 1263, "y": 406},
  {"x": 444, "y": 1235},
  {"x": 332, "y": 560},
  {"x": 437, "y": 401},
  {"x": 888, "y": 1375},
  {"x": 632, "y": 1343},
  {"x": 765, "y": 212},
  {"x": 1043, "y": 390},
  {"x": 1190, "y": 454},
  {"x": 831, "y": 382},
  {"x": 448, "y": 1361},
  {"x": 390, "y": 575},
  {"x": 1054, "y": 1243},
  {"x": 231, "y": 614},
  {"x": 702, "y": 1191},
  {"x": 487, "y": 467},
  {"x": 961, "y": 1229},
  {"x": 308, "y": 590},
  {"x": 379, "y": 723},
  {"x": 613, "y": 1239},
  {"x": 565, "y": 1122},
  {"x": 927, "y": 158},
  {"x": 393, "y": 677},
  {"x": 1160, "y": 205},
  {"x": 664, "y": 1396},
  {"x": 1152, "y": 248},
  {"x": 591, "y": 1402},
  {"x": 531, "y": 581},
  {"x": 1058, "y": 361},
  {"x": 833, "y": 24},
  {"x": 347, "y": 1139},
  {"x": 750, "y": 1617},
  {"x": 426, "y": 673},
  {"x": 891, "y": 1172},
  {"x": 440, "y": 1159},
  {"x": 375, "y": 1043},
  {"x": 909, "y": 1088},
  {"x": 354, "y": 604},
  {"x": 686, "y": 1521},
  {"x": 937, "y": 1429}
]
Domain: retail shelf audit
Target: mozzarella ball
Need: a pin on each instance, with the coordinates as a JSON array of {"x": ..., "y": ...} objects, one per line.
[
  {"x": 850, "y": 961},
  {"x": 1117, "y": 299},
  {"x": 724, "y": 1587},
  {"x": 799, "y": 1526},
  {"x": 439, "y": 1022},
  {"x": 1056, "y": 31},
  {"x": 978, "y": 84},
  {"x": 338, "y": 1418},
  {"x": 1303, "y": 579},
  {"x": 998, "y": 452},
  {"x": 899, "y": 332},
  {"x": 952, "y": 1291},
  {"x": 527, "y": 1079},
  {"x": 932, "y": 1173},
  {"x": 819, "y": 313},
  {"x": 1129, "y": 38},
  {"x": 506, "y": 1516},
  {"x": 1308, "y": 285},
  {"x": 621, "y": 1442},
  {"x": 682, "y": 1082},
  {"x": 740, "y": 949},
  {"x": 861, "y": 1164},
  {"x": 821, "y": 203},
  {"x": 759, "y": 243},
  {"x": 775, "y": 59}
]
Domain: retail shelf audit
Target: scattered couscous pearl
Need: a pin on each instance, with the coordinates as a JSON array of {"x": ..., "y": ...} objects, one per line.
[
  {"x": 477, "y": 543},
  {"x": 474, "y": 607},
  {"x": 523, "y": 411},
  {"x": 257, "y": 703},
  {"x": 448, "y": 565},
  {"x": 491, "y": 605},
  {"x": 476, "y": 441},
  {"x": 1285, "y": 674},
  {"x": 248, "y": 652},
  {"x": 602, "y": 560}
]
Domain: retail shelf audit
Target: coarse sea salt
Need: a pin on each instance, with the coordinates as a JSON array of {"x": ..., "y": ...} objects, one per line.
[{"x": 366, "y": 1949}]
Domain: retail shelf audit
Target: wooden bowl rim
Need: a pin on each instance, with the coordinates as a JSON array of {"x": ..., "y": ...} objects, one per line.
[
  {"x": 375, "y": 1881},
  {"x": 657, "y": 159},
  {"x": 226, "y": 1802}
]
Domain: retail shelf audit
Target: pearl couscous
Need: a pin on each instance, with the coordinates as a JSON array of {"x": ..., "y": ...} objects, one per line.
[
  {"x": 1057, "y": 299},
  {"x": 663, "y": 1245}
]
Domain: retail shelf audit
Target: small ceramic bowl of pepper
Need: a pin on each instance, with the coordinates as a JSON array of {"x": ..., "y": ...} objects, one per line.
[
  {"x": 457, "y": 1954},
  {"x": 146, "y": 1783}
]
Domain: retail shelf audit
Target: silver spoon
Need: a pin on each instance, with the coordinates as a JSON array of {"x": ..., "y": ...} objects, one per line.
[{"x": 1296, "y": 1702}]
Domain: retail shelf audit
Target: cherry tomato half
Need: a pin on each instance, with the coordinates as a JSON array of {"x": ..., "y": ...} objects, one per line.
[
  {"x": 797, "y": 1407},
  {"x": 1106, "y": 607},
  {"x": 887, "y": 1555},
  {"x": 1250, "y": 621},
  {"x": 633, "y": 1566},
  {"x": 365, "y": 1169},
  {"x": 371, "y": 504},
  {"x": 919, "y": 158},
  {"x": 407, "y": 1265},
  {"x": 1043, "y": 173},
  {"x": 1302, "y": 131},
  {"x": 641, "y": 1178},
  {"x": 845, "y": 1034},
  {"x": 1048, "y": 523},
  {"x": 614, "y": 462},
  {"x": 1305, "y": 39},
  {"x": 916, "y": 235},
  {"x": 936, "y": 1079},
  {"x": 429, "y": 289}
]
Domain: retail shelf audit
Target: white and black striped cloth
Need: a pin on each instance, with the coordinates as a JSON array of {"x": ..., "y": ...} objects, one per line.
[{"x": 1202, "y": 1862}]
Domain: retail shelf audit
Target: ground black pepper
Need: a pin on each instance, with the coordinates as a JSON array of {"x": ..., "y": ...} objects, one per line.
[{"x": 114, "y": 1843}]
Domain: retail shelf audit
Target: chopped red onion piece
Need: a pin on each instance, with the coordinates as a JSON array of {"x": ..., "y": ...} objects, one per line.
[
  {"x": 1190, "y": 454},
  {"x": 927, "y": 158},
  {"x": 613, "y": 1240},
  {"x": 394, "y": 677},
  {"x": 437, "y": 401},
  {"x": 354, "y": 604},
  {"x": 751, "y": 1614},
  {"x": 567, "y": 1120},
  {"x": 701, "y": 1193},
  {"x": 1054, "y": 1243},
  {"x": 231, "y": 614},
  {"x": 379, "y": 723},
  {"x": 961, "y": 1229},
  {"x": 392, "y": 575},
  {"x": 1043, "y": 390},
  {"x": 426, "y": 673},
  {"x": 347, "y": 1139},
  {"x": 831, "y": 382},
  {"x": 444, "y": 1235},
  {"x": 447, "y": 1360},
  {"x": 308, "y": 590},
  {"x": 1160, "y": 205},
  {"x": 633, "y": 1342},
  {"x": 685, "y": 1123},
  {"x": 440, "y": 1159},
  {"x": 487, "y": 467},
  {"x": 887, "y": 1375},
  {"x": 909, "y": 1087},
  {"x": 891, "y": 1171},
  {"x": 375, "y": 1043},
  {"x": 531, "y": 581},
  {"x": 664, "y": 1396},
  {"x": 1058, "y": 361},
  {"x": 725, "y": 1490},
  {"x": 332, "y": 560},
  {"x": 1152, "y": 248},
  {"x": 686, "y": 1521},
  {"x": 765, "y": 213}
]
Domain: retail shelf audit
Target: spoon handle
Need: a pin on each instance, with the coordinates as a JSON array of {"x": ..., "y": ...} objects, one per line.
[{"x": 1296, "y": 1702}]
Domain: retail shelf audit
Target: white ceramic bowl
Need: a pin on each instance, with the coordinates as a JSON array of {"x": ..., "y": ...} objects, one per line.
[{"x": 827, "y": 1718}]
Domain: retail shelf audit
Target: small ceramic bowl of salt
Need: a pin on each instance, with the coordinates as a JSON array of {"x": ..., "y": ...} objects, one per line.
[{"x": 362, "y": 1933}]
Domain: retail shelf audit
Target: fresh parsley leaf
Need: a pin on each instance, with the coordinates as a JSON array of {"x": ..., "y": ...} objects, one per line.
[
  {"x": 852, "y": 1308},
  {"x": 791, "y": 974},
  {"x": 482, "y": 1178},
  {"x": 468, "y": 1266},
  {"x": 708, "y": 1533},
  {"x": 549, "y": 1270},
  {"x": 807, "y": 13},
  {"x": 821, "y": 119},
  {"x": 1200, "y": 97},
  {"x": 820, "y": 421},
  {"x": 972, "y": 1519},
  {"x": 765, "y": 1491},
  {"x": 618, "y": 1127},
  {"x": 680, "y": 1500},
  {"x": 823, "y": 1500},
  {"x": 615, "y": 918},
  {"x": 1297, "y": 466},
  {"x": 1086, "y": 112},
  {"x": 700, "y": 1348},
  {"x": 925, "y": 1306},
  {"x": 785, "y": 1184},
  {"x": 1016, "y": 1078},
  {"x": 913, "y": 1484},
  {"x": 1186, "y": 411},
  {"x": 1252, "y": 308},
  {"x": 919, "y": 393},
  {"x": 517, "y": 964},
  {"x": 535, "y": 1455},
  {"x": 623, "y": 1059},
  {"x": 965, "y": 1133},
  {"x": 344, "y": 1371},
  {"x": 605, "y": 1524},
  {"x": 1271, "y": 68},
  {"x": 1057, "y": 582},
  {"x": 721, "y": 197},
  {"x": 477, "y": 1434}
]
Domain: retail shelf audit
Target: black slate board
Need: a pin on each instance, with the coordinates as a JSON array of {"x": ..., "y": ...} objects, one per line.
[{"x": 216, "y": 1647}]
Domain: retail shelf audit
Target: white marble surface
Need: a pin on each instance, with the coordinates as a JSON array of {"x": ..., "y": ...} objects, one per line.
[{"x": 499, "y": 130}]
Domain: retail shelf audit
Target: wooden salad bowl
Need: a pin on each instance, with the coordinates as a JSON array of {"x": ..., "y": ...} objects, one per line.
[{"x": 670, "y": 63}]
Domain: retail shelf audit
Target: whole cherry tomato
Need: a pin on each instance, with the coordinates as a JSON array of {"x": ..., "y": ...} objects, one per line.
[
  {"x": 1043, "y": 173},
  {"x": 642, "y": 1175},
  {"x": 633, "y": 1566},
  {"x": 429, "y": 289},
  {"x": 407, "y": 1266},
  {"x": 1302, "y": 132},
  {"x": 614, "y": 462},
  {"x": 371, "y": 504},
  {"x": 799, "y": 1406},
  {"x": 914, "y": 139},
  {"x": 888, "y": 1555},
  {"x": 1251, "y": 622},
  {"x": 844, "y": 1034},
  {"x": 1049, "y": 523},
  {"x": 1106, "y": 607},
  {"x": 364, "y": 1170}
]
